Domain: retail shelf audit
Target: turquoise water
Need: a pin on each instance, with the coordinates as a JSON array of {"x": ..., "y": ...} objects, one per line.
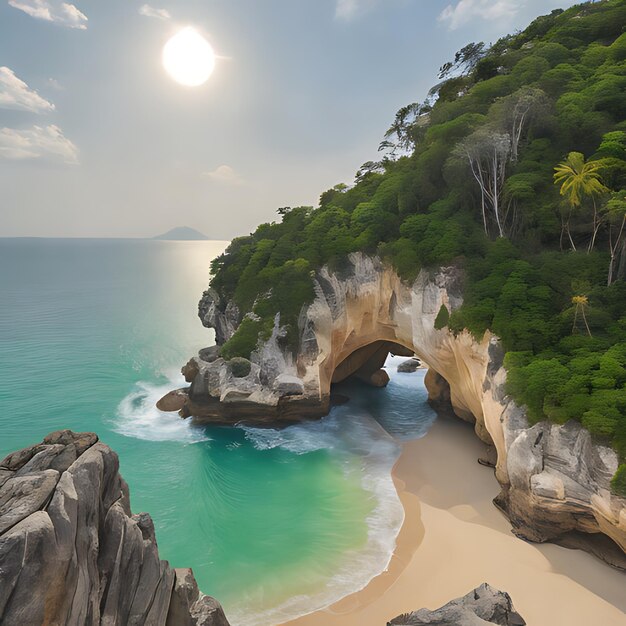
[{"x": 274, "y": 523}]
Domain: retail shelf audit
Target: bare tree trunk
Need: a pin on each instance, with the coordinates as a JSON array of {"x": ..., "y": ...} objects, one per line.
[
  {"x": 621, "y": 270},
  {"x": 596, "y": 227},
  {"x": 516, "y": 136},
  {"x": 569, "y": 234},
  {"x": 488, "y": 158},
  {"x": 477, "y": 173},
  {"x": 613, "y": 249},
  {"x": 585, "y": 320},
  {"x": 496, "y": 192}
]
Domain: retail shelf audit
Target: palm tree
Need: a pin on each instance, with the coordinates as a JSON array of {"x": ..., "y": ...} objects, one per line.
[
  {"x": 581, "y": 303},
  {"x": 578, "y": 180}
]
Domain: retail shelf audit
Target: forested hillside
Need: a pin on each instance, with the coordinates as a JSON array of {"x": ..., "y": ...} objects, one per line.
[{"x": 513, "y": 168}]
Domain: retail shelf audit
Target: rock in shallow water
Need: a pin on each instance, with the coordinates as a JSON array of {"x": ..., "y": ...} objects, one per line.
[
  {"x": 483, "y": 605},
  {"x": 172, "y": 401},
  {"x": 71, "y": 552},
  {"x": 409, "y": 366}
]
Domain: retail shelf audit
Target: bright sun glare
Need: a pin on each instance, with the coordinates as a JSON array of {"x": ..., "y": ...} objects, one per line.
[{"x": 188, "y": 58}]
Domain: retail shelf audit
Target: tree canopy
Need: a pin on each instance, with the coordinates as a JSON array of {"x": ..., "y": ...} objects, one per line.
[{"x": 513, "y": 168}]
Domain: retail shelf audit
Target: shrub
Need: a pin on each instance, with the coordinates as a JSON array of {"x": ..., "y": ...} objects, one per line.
[
  {"x": 618, "y": 484},
  {"x": 244, "y": 341},
  {"x": 239, "y": 367}
]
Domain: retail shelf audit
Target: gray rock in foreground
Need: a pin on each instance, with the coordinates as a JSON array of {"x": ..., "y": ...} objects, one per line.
[
  {"x": 71, "y": 551},
  {"x": 483, "y": 605}
]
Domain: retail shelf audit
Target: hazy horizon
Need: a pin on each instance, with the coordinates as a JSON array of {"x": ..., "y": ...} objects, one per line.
[{"x": 97, "y": 141}]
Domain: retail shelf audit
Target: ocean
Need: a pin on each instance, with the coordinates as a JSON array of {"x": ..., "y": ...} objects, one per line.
[{"x": 274, "y": 523}]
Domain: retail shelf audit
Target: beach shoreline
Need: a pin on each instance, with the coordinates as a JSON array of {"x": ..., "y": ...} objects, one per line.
[{"x": 453, "y": 539}]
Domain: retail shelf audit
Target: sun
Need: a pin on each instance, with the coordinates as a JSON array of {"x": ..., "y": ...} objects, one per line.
[{"x": 189, "y": 58}]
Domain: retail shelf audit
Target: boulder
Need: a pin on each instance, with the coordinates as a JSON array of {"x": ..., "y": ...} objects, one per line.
[
  {"x": 190, "y": 370},
  {"x": 409, "y": 366},
  {"x": 379, "y": 378},
  {"x": 172, "y": 401},
  {"x": 287, "y": 385},
  {"x": 483, "y": 605},
  {"x": 210, "y": 354}
]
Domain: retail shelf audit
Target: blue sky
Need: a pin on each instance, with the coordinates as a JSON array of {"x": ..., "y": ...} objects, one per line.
[{"x": 96, "y": 139}]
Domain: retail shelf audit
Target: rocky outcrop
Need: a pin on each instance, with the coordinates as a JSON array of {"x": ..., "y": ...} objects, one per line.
[
  {"x": 554, "y": 479},
  {"x": 71, "y": 551},
  {"x": 222, "y": 316},
  {"x": 483, "y": 605}
]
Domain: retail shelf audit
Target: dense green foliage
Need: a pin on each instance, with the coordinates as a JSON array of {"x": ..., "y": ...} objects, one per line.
[
  {"x": 239, "y": 367},
  {"x": 470, "y": 179},
  {"x": 619, "y": 481}
]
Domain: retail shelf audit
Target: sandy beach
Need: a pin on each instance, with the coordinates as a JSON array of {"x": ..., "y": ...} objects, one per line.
[{"x": 453, "y": 539}]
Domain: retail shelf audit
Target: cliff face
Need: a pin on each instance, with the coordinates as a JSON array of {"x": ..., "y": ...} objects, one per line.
[
  {"x": 554, "y": 479},
  {"x": 72, "y": 553}
]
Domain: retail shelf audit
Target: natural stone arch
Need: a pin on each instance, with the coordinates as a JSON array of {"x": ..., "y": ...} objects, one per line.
[
  {"x": 555, "y": 479},
  {"x": 366, "y": 362},
  {"x": 372, "y": 306}
]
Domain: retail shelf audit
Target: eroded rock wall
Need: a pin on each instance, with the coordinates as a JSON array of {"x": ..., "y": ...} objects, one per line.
[{"x": 71, "y": 551}]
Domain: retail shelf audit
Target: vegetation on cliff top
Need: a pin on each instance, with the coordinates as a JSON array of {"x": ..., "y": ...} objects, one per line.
[{"x": 514, "y": 167}]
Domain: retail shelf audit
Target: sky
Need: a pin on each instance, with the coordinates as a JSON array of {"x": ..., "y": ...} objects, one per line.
[{"x": 97, "y": 140}]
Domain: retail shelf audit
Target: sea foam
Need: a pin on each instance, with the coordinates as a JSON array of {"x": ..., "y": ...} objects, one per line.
[
  {"x": 350, "y": 433},
  {"x": 358, "y": 437},
  {"x": 137, "y": 415}
]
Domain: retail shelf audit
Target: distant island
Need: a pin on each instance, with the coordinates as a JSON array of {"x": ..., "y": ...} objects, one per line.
[{"x": 182, "y": 233}]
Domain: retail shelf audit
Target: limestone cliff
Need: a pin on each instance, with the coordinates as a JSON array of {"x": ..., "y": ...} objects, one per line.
[
  {"x": 72, "y": 553},
  {"x": 554, "y": 479}
]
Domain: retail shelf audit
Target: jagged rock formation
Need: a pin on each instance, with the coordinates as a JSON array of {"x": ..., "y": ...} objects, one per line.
[
  {"x": 483, "y": 605},
  {"x": 72, "y": 553},
  {"x": 554, "y": 479}
]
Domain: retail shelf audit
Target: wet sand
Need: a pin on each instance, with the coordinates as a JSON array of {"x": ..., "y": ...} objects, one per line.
[{"x": 453, "y": 539}]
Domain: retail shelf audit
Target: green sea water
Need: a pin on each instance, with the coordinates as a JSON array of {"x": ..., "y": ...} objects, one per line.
[{"x": 274, "y": 523}]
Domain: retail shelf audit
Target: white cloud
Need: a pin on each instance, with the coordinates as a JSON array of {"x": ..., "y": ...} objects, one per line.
[
  {"x": 467, "y": 10},
  {"x": 52, "y": 11},
  {"x": 37, "y": 142},
  {"x": 348, "y": 9},
  {"x": 224, "y": 174},
  {"x": 148, "y": 11},
  {"x": 16, "y": 94}
]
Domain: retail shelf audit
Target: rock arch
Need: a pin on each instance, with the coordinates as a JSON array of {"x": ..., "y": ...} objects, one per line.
[
  {"x": 555, "y": 480},
  {"x": 355, "y": 318}
]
